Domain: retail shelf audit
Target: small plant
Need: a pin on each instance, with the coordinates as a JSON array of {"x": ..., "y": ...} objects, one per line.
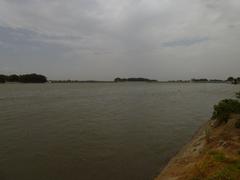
[
  {"x": 218, "y": 156},
  {"x": 224, "y": 108}
]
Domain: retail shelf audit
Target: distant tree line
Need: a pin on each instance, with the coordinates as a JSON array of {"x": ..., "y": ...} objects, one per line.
[
  {"x": 199, "y": 80},
  {"x": 208, "y": 80},
  {"x": 25, "y": 78},
  {"x": 234, "y": 80},
  {"x": 77, "y": 81},
  {"x": 229, "y": 79},
  {"x": 178, "y": 81},
  {"x": 133, "y": 80}
]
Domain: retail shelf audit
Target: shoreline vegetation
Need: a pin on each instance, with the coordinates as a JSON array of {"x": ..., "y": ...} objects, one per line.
[
  {"x": 230, "y": 80},
  {"x": 25, "y": 78},
  {"x": 77, "y": 81},
  {"x": 134, "y": 80},
  {"x": 214, "y": 151},
  {"x": 38, "y": 78}
]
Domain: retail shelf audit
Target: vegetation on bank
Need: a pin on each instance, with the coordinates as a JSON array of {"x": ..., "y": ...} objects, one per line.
[
  {"x": 25, "y": 78},
  {"x": 217, "y": 165},
  {"x": 221, "y": 157},
  {"x": 225, "y": 108},
  {"x": 214, "y": 152}
]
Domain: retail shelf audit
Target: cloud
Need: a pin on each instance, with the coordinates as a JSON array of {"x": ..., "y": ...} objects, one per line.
[
  {"x": 185, "y": 42},
  {"x": 121, "y": 34}
]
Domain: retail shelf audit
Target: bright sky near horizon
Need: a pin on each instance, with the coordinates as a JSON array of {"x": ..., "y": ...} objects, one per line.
[{"x": 103, "y": 39}]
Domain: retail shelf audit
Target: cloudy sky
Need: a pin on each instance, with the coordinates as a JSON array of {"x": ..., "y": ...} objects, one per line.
[{"x": 102, "y": 39}]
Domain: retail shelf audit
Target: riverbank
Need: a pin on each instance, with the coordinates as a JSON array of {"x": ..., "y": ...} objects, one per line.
[{"x": 213, "y": 153}]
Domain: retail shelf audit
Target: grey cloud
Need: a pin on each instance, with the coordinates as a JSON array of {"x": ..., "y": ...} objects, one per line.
[
  {"x": 99, "y": 39},
  {"x": 185, "y": 42}
]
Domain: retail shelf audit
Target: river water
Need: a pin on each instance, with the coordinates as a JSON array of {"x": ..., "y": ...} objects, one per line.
[{"x": 103, "y": 131}]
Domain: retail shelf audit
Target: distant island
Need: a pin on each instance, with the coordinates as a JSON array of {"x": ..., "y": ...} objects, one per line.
[
  {"x": 115, "y": 80},
  {"x": 228, "y": 80},
  {"x": 77, "y": 81},
  {"x": 25, "y": 78},
  {"x": 134, "y": 80},
  {"x": 38, "y": 78},
  {"x": 210, "y": 80}
]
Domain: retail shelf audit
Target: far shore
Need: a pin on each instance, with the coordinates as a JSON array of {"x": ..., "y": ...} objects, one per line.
[
  {"x": 93, "y": 81},
  {"x": 103, "y": 82},
  {"x": 110, "y": 82},
  {"x": 38, "y": 78}
]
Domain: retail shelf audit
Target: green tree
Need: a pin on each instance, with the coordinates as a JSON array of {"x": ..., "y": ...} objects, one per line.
[
  {"x": 2, "y": 78},
  {"x": 13, "y": 78},
  {"x": 32, "y": 78},
  {"x": 230, "y": 79}
]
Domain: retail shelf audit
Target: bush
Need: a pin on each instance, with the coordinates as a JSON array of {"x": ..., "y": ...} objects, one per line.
[{"x": 224, "y": 108}]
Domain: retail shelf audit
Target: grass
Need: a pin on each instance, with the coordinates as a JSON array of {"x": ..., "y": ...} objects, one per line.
[
  {"x": 216, "y": 166},
  {"x": 218, "y": 156},
  {"x": 229, "y": 172}
]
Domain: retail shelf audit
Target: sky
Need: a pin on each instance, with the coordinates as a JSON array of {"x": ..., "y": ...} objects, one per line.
[{"x": 104, "y": 39}]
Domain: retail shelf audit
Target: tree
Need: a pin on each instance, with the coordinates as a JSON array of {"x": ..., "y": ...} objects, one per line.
[
  {"x": 117, "y": 79},
  {"x": 32, "y": 78},
  {"x": 230, "y": 79},
  {"x": 13, "y": 78},
  {"x": 134, "y": 80},
  {"x": 2, "y": 78}
]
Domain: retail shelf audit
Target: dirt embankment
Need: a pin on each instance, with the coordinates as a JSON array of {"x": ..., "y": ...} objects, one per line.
[{"x": 213, "y": 154}]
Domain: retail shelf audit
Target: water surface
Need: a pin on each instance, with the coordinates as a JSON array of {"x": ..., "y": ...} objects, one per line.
[{"x": 104, "y": 131}]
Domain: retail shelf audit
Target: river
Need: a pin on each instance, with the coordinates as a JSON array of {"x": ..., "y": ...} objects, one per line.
[{"x": 102, "y": 131}]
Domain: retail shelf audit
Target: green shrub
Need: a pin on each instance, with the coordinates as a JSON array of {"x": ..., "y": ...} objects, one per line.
[
  {"x": 2, "y": 78},
  {"x": 224, "y": 108}
]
